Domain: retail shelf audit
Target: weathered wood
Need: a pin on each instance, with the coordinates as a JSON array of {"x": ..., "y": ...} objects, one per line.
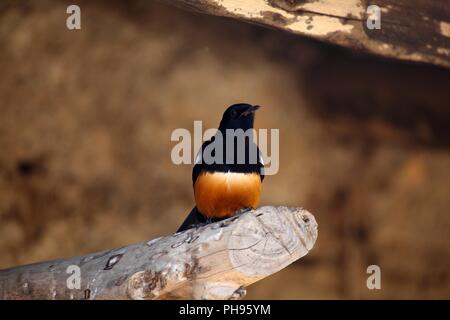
[
  {"x": 416, "y": 30},
  {"x": 216, "y": 261}
]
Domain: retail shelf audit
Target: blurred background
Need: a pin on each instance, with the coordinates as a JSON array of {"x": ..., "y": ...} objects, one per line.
[{"x": 86, "y": 118}]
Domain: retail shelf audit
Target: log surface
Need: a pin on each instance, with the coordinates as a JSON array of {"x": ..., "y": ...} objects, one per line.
[
  {"x": 414, "y": 30},
  {"x": 216, "y": 261}
]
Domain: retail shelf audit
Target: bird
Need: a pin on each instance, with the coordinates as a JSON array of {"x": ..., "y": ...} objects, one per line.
[{"x": 229, "y": 182}]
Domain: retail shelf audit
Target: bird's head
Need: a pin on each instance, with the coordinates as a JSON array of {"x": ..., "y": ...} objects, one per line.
[{"x": 238, "y": 116}]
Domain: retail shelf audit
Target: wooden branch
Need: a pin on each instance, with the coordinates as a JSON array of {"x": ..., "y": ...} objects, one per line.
[
  {"x": 415, "y": 30},
  {"x": 216, "y": 261}
]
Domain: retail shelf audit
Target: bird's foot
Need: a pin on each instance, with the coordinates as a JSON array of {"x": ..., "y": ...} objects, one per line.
[
  {"x": 199, "y": 225},
  {"x": 202, "y": 224},
  {"x": 243, "y": 210}
]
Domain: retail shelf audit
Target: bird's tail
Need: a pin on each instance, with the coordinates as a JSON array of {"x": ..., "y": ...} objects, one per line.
[{"x": 194, "y": 218}]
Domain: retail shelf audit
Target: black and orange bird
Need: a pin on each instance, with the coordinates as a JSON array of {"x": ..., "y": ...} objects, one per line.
[{"x": 230, "y": 181}]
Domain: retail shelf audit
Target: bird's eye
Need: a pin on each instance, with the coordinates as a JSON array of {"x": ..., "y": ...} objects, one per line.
[{"x": 233, "y": 113}]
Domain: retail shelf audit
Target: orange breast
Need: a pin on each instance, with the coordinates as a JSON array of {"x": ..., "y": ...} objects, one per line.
[{"x": 221, "y": 194}]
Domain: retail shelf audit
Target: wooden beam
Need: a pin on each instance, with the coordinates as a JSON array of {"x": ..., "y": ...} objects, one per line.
[
  {"x": 215, "y": 261},
  {"x": 414, "y": 30}
]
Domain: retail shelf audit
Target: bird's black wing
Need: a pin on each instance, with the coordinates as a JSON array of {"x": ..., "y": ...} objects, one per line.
[{"x": 199, "y": 166}]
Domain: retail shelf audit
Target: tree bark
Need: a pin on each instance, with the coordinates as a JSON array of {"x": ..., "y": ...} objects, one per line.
[
  {"x": 414, "y": 30},
  {"x": 215, "y": 261}
]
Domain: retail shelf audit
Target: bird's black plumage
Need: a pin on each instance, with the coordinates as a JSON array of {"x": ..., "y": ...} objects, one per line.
[{"x": 236, "y": 152}]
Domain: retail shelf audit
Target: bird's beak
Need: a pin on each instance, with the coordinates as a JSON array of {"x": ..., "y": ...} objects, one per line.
[{"x": 251, "y": 109}]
